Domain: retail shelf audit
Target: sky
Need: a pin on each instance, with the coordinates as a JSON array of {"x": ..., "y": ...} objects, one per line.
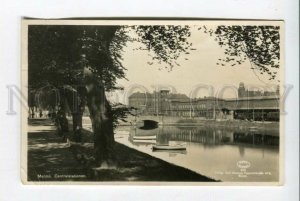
[{"x": 200, "y": 69}]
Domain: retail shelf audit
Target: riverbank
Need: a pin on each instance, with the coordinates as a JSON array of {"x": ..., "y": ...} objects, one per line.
[
  {"x": 190, "y": 122},
  {"x": 241, "y": 125},
  {"x": 51, "y": 159}
]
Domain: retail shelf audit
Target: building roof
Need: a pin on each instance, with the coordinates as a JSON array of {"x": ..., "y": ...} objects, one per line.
[
  {"x": 179, "y": 97},
  {"x": 141, "y": 95},
  {"x": 172, "y": 97},
  {"x": 254, "y": 98}
]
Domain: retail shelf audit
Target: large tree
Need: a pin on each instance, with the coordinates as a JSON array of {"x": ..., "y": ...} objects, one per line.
[{"x": 83, "y": 62}]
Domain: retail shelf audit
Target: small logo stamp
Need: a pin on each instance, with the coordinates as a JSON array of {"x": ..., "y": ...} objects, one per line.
[{"x": 243, "y": 164}]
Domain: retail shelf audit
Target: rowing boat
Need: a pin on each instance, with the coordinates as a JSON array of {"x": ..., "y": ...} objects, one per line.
[
  {"x": 144, "y": 141},
  {"x": 168, "y": 147},
  {"x": 151, "y": 137}
]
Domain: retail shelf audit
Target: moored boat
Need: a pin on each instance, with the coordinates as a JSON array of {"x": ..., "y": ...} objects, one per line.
[
  {"x": 253, "y": 129},
  {"x": 168, "y": 147},
  {"x": 149, "y": 137},
  {"x": 144, "y": 141}
]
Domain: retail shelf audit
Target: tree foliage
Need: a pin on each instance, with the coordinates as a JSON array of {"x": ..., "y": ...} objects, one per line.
[
  {"x": 62, "y": 56},
  {"x": 258, "y": 44},
  {"x": 167, "y": 42},
  {"x": 56, "y": 52}
]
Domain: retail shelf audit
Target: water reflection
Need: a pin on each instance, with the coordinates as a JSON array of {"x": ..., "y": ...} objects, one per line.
[
  {"x": 215, "y": 152},
  {"x": 206, "y": 136}
]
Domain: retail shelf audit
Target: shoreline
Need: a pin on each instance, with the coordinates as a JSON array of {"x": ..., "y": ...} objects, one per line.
[
  {"x": 50, "y": 159},
  {"x": 187, "y": 122},
  {"x": 230, "y": 124}
]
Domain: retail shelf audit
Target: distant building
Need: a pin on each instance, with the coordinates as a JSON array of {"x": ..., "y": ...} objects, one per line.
[
  {"x": 251, "y": 105},
  {"x": 156, "y": 103},
  {"x": 243, "y": 92},
  {"x": 208, "y": 107}
]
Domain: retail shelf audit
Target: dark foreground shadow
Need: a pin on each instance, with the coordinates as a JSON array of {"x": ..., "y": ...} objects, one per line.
[{"x": 51, "y": 159}]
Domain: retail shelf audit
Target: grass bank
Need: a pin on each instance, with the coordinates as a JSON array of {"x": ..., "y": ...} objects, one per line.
[{"x": 51, "y": 159}]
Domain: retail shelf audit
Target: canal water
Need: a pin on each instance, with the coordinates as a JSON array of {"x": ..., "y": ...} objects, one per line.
[{"x": 220, "y": 153}]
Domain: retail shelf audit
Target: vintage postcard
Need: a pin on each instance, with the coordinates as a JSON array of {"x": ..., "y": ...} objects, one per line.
[{"x": 152, "y": 102}]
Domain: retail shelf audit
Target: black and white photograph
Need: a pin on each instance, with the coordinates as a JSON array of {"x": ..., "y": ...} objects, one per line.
[{"x": 153, "y": 102}]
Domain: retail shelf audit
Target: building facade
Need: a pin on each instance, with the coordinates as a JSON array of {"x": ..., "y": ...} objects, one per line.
[
  {"x": 247, "y": 107},
  {"x": 247, "y": 92}
]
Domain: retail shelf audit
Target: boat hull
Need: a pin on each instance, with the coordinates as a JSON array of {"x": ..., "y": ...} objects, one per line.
[
  {"x": 145, "y": 141},
  {"x": 177, "y": 148},
  {"x": 144, "y": 137}
]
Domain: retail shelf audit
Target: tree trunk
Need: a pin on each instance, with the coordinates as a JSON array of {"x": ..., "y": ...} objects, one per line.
[
  {"x": 76, "y": 102},
  {"x": 99, "y": 108},
  {"x": 32, "y": 112},
  {"x": 61, "y": 119},
  {"x": 77, "y": 126},
  {"x": 101, "y": 117},
  {"x": 62, "y": 123}
]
